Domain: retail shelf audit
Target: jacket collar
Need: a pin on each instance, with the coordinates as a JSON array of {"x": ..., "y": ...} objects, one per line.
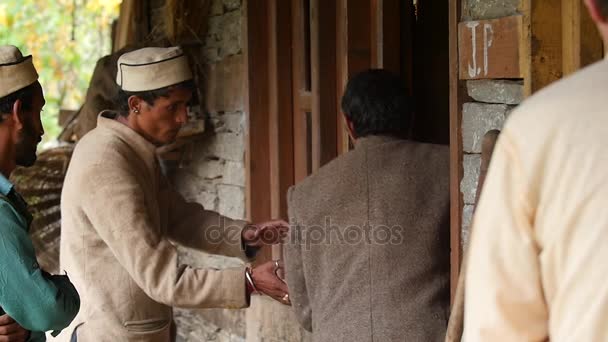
[
  {"x": 372, "y": 140},
  {"x": 142, "y": 147},
  {"x": 5, "y": 185}
]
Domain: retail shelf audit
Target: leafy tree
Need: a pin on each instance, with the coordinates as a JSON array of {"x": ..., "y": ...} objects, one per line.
[{"x": 66, "y": 38}]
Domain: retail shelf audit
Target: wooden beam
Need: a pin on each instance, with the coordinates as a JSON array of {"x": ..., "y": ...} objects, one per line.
[
  {"x": 359, "y": 36},
  {"x": 392, "y": 32},
  {"x": 456, "y": 170},
  {"x": 582, "y": 44},
  {"x": 282, "y": 175},
  {"x": 324, "y": 64},
  {"x": 342, "y": 71},
  {"x": 300, "y": 147},
  {"x": 257, "y": 50},
  {"x": 542, "y": 44}
]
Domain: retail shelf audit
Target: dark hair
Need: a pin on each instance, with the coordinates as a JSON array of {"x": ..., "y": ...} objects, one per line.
[
  {"x": 122, "y": 98},
  {"x": 26, "y": 95},
  {"x": 603, "y": 5},
  {"x": 377, "y": 103}
]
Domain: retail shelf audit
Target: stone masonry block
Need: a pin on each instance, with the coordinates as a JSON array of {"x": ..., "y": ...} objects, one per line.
[
  {"x": 234, "y": 173},
  {"x": 270, "y": 321},
  {"x": 467, "y": 218},
  {"x": 232, "y": 123},
  {"x": 496, "y": 91},
  {"x": 231, "y": 34},
  {"x": 232, "y": 201},
  {"x": 210, "y": 169},
  {"x": 468, "y": 185},
  {"x": 231, "y": 5},
  {"x": 217, "y": 8},
  {"x": 227, "y": 146},
  {"x": 477, "y": 120},
  {"x": 489, "y": 9},
  {"x": 225, "y": 85}
]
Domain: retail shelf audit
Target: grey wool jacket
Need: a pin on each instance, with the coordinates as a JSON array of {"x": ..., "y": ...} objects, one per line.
[{"x": 368, "y": 254}]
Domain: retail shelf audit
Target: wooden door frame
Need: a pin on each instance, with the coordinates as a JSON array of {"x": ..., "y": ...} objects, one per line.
[{"x": 456, "y": 169}]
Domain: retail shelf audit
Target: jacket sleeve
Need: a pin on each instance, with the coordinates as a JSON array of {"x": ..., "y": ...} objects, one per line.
[
  {"x": 503, "y": 271},
  {"x": 115, "y": 205},
  {"x": 33, "y": 298},
  {"x": 294, "y": 268},
  {"x": 194, "y": 227}
]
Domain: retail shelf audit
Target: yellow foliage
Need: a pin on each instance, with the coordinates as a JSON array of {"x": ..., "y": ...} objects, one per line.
[{"x": 3, "y": 15}]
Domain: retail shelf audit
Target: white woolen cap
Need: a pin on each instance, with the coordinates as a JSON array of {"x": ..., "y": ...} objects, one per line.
[
  {"x": 16, "y": 71},
  {"x": 152, "y": 68}
]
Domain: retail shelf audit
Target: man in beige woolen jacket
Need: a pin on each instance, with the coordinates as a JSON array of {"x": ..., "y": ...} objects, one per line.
[
  {"x": 537, "y": 267},
  {"x": 121, "y": 218}
]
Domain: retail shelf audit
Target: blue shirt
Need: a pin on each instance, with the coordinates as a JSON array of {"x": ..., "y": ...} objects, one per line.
[{"x": 36, "y": 300}]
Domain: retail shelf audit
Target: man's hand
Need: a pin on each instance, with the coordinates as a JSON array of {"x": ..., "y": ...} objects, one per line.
[
  {"x": 266, "y": 281},
  {"x": 266, "y": 233},
  {"x": 10, "y": 331}
]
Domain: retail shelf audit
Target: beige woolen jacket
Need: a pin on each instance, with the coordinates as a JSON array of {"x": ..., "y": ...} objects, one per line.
[
  {"x": 538, "y": 262},
  {"x": 120, "y": 220}
]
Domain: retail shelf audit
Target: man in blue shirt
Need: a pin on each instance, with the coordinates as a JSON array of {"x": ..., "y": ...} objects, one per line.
[{"x": 31, "y": 300}]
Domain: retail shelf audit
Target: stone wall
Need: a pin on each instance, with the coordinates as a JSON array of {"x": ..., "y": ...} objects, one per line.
[
  {"x": 491, "y": 102},
  {"x": 213, "y": 169}
]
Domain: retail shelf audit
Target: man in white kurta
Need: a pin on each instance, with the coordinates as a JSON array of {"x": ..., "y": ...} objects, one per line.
[{"x": 538, "y": 265}]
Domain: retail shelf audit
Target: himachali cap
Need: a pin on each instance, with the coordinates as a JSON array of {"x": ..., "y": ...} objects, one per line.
[
  {"x": 16, "y": 71},
  {"x": 152, "y": 68}
]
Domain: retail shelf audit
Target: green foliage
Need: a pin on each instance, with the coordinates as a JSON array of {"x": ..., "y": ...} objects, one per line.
[{"x": 65, "y": 38}]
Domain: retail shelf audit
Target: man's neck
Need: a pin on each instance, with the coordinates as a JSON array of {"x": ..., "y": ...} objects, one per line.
[{"x": 7, "y": 160}]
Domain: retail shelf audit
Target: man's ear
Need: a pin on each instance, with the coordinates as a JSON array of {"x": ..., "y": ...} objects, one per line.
[
  {"x": 135, "y": 104},
  {"x": 17, "y": 115},
  {"x": 595, "y": 11},
  {"x": 351, "y": 128}
]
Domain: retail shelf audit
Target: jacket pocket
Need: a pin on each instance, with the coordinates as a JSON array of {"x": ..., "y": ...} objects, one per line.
[{"x": 147, "y": 326}]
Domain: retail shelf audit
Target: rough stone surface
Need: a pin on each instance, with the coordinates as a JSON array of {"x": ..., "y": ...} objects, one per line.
[
  {"x": 231, "y": 5},
  {"x": 488, "y": 9},
  {"x": 227, "y": 146},
  {"x": 213, "y": 172},
  {"x": 193, "y": 327},
  {"x": 234, "y": 174},
  {"x": 467, "y": 220},
  {"x": 230, "y": 123},
  {"x": 225, "y": 85},
  {"x": 468, "y": 185},
  {"x": 232, "y": 201},
  {"x": 496, "y": 91},
  {"x": 217, "y": 8},
  {"x": 271, "y": 321},
  {"x": 477, "y": 120},
  {"x": 231, "y": 34}
]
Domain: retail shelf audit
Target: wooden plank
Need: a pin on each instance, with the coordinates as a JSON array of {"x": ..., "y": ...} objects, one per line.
[
  {"x": 392, "y": 30},
  {"x": 316, "y": 92},
  {"x": 342, "y": 72},
  {"x": 490, "y": 48},
  {"x": 299, "y": 85},
  {"x": 456, "y": 170},
  {"x": 581, "y": 42},
  {"x": 326, "y": 81},
  {"x": 359, "y": 36},
  {"x": 305, "y": 100},
  {"x": 543, "y": 44},
  {"x": 258, "y": 109},
  {"x": 376, "y": 39},
  {"x": 282, "y": 129}
]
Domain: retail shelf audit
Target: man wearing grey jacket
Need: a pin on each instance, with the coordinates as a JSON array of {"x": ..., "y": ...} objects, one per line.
[{"x": 368, "y": 256}]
